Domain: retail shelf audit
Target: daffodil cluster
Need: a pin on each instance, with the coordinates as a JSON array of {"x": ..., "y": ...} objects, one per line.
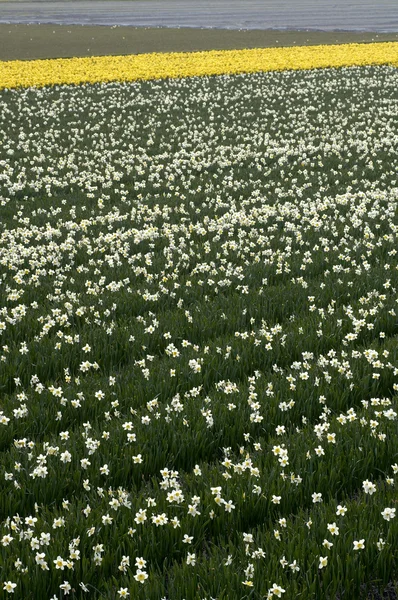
[
  {"x": 159, "y": 65},
  {"x": 198, "y": 322}
]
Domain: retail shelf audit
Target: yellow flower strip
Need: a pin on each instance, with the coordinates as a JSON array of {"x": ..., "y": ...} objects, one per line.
[{"x": 186, "y": 64}]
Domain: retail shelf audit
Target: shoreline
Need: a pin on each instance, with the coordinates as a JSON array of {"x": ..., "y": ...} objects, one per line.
[{"x": 30, "y": 42}]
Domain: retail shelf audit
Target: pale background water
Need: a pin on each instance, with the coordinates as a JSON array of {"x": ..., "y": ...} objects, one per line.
[{"x": 324, "y": 15}]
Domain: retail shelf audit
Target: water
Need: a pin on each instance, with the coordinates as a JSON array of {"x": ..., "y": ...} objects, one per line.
[{"x": 324, "y": 15}]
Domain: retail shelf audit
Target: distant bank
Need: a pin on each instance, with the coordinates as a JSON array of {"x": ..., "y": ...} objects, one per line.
[
  {"x": 46, "y": 29},
  {"x": 325, "y": 15}
]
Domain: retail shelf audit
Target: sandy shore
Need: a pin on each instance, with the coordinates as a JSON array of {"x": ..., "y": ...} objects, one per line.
[{"x": 28, "y": 42}]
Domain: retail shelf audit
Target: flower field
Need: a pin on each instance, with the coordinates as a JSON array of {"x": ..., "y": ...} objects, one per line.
[
  {"x": 198, "y": 337},
  {"x": 159, "y": 65}
]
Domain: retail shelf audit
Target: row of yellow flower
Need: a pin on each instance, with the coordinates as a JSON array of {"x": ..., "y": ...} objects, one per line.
[{"x": 185, "y": 64}]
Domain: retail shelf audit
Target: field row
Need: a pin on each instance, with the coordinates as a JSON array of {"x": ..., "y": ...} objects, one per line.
[{"x": 191, "y": 64}]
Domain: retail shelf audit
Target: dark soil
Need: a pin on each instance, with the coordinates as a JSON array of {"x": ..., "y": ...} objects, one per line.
[{"x": 28, "y": 42}]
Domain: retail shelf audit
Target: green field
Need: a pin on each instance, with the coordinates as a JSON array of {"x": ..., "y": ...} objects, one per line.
[
  {"x": 198, "y": 323},
  {"x": 28, "y": 42}
]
